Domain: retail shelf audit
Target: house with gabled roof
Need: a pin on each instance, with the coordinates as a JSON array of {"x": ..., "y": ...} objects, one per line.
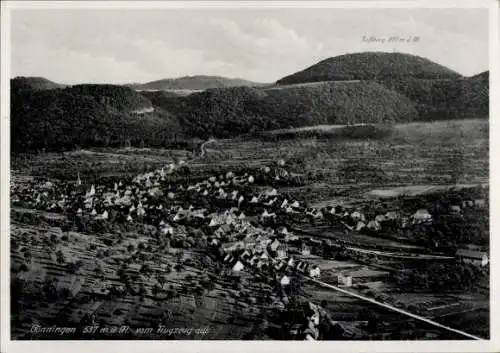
[
  {"x": 238, "y": 266},
  {"x": 281, "y": 251},
  {"x": 358, "y": 216},
  {"x": 274, "y": 245}
]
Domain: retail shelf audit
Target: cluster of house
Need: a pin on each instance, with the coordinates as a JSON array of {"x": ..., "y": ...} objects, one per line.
[
  {"x": 264, "y": 254},
  {"x": 421, "y": 216}
]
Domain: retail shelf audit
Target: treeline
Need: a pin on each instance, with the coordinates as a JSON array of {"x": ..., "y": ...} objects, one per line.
[{"x": 369, "y": 131}]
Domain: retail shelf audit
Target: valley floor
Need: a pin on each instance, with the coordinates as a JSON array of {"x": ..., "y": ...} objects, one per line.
[{"x": 415, "y": 160}]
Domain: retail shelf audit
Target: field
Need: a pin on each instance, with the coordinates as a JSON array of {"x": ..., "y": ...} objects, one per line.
[{"x": 198, "y": 290}]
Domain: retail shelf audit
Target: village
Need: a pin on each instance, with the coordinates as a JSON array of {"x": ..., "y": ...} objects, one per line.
[{"x": 241, "y": 222}]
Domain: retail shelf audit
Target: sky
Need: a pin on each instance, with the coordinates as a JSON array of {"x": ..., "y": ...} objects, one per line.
[{"x": 262, "y": 45}]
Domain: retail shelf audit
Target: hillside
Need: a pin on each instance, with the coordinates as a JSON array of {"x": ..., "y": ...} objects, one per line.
[
  {"x": 446, "y": 99},
  {"x": 198, "y": 82},
  {"x": 86, "y": 115},
  {"x": 120, "y": 98},
  {"x": 365, "y": 88},
  {"x": 232, "y": 111},
  {"x": 485, "y": 76},
  {"x": 33, "y": 83},
  {"x": 371, "y": 66}
]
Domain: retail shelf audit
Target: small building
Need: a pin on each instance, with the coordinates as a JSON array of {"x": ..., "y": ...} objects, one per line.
[
  {"x": 467, "y": 203},
  {"x": 474, "y": 257},
  {"x": 314, "y": 272},
  {"x": 480, "y": 203},
  {"x": 344, "y": 280},
  {"x": 238, "y": 266},
  {"x": 254, "y": 199},
  {"x": 422, "y": 216},
  {"x": 455, "y": 209},
  {"x": 391, "y": 216},
  {"x": 295, "y": 204},
  {"x": 285, "y": 281},
  {"x": 305, "y": 250},
  {"x": 274, "y": 245},
  {"x": 281, "y": 251},
  {"x": 214, "y": 242},
  {"x": 282, "y": 231},
  {"x": 358, "y": 216}
]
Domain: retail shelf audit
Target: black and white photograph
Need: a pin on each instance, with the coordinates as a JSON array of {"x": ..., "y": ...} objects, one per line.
[{"x": 207, "y": 171}]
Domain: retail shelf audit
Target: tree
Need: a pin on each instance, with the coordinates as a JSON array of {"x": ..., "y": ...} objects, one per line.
[
  {"x": 99, "y": 271},
  {"x": 156, "y": 289},
  {"x": 99, "y": 254},
  {"x": 23, "y": 267},
  {"x": 53, "y": 239},
  {"x": 162, "y": 280},
  {"x": 61, "y": 258}
]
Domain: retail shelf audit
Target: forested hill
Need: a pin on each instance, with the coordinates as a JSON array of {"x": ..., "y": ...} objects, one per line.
[
  {"x": 87, "y": 115},
  {"x": 195, "y": 83},
  {"x": 484, "y": 76},
  {"x": 33, "y": 83},
  {"x": 232, "y": 111},
  {"x": 349, "y": 89},
  {"x": 371, "y": 66},
  {"x": 447, "y": 98}
]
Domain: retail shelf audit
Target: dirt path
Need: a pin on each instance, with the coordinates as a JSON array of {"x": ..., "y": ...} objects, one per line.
[{"x": 204, "y": 144}]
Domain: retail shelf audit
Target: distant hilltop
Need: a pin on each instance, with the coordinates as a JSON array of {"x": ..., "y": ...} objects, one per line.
[
  {"x": 34, "y": 83},
  {"x": 371, "y": 66},
  {"x": 194, "y": 83}
]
